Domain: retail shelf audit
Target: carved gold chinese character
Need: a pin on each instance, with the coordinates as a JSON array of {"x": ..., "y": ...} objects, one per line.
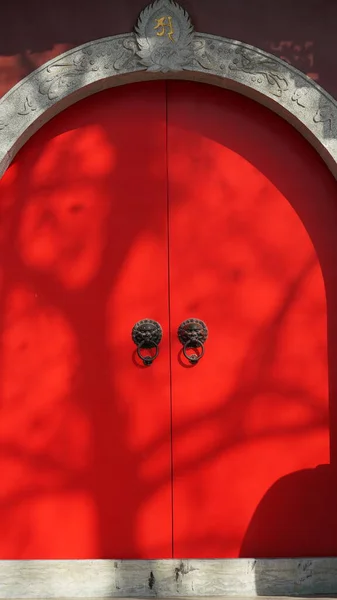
[{"x": 164, "y": 24}]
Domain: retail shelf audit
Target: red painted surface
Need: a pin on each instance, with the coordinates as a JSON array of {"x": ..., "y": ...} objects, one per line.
[
  {"x": 256, "y": 406},
  {"x": 85, "y": 441},
  {"x": 85, "y": 431}
]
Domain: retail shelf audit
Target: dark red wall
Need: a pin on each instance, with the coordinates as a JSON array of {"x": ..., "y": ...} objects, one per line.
[{"x": 303, "y": 32}]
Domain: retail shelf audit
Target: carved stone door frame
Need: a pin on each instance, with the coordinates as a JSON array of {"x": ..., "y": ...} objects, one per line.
[
  {"x": 154, "y": 52},
  {"x": 164, "y": 45}
]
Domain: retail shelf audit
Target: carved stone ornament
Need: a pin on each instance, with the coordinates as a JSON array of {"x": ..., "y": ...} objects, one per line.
[
  {"x": 164, "y": 35},
  {"x": 165, "y": 44}
]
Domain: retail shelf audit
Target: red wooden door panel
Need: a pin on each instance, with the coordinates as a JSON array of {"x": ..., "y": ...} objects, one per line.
[
  {"x": 85, "y": 431},
  {"x": 255, "y": 409},
  {"x": 84, "y": 439}
]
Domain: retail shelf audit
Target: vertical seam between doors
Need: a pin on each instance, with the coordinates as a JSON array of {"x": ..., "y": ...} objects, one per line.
[{"x": 169, "y": 315}]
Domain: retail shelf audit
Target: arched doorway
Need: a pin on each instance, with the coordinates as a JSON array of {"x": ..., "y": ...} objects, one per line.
[{"x": 164, "y": 200}]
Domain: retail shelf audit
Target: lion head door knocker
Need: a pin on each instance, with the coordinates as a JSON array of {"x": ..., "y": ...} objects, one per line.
[
  {"x": 192, "y": 334},
  {"x": 147, "y": 334}
]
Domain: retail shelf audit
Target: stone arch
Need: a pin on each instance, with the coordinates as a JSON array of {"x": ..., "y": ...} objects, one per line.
[
  {"x": 130, "y": 58},
  {"x": 141, "y": 56}
]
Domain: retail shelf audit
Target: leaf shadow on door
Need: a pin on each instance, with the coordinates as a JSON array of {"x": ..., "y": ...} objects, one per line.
[
  {"x": 262, "y": 423},
  {"x": 67, "y": 445},
  {"x": 52, "y": 453}
]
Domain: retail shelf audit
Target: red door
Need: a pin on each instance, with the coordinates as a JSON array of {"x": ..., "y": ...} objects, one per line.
[
  {"x": 243, "y": 187},
  {"x": 167, "y": 201},
  {"x": 85, "y": 440}
]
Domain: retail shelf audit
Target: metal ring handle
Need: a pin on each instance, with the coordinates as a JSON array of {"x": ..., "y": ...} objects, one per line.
[
  {"x": 193, "y": 333},
  {"x": 147, "y": 334},
  {"x": 193, "y": 358},
  {"x": 147, "y": 360}
]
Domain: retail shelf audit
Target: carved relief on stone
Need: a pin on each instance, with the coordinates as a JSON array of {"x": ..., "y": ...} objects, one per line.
[
  {"x": 127, "y": 51},
  {"x": 28, "y": 106},
  {"x": 299, "y": 96},
  {"x": 203, "y": 54},
  {"x": 326, "y": 114},
  {"x": 65, "y": 74},
  {"x": 164, "y": 35},
  {"x": 263, "y": 70},
  {"x": 166, "y": 41}
]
